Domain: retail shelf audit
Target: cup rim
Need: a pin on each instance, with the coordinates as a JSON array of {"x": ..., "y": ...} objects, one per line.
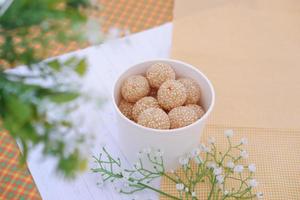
[{"x": 166, "y": 131}]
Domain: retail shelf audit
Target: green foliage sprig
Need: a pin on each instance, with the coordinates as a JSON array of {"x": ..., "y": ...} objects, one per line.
[
  {"x": 29, "y": 101},
  {"x": 222, "y": 172}
]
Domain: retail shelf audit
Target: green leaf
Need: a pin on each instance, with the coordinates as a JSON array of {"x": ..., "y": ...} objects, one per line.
[
  {"x": 20, "y": 110},
  {"x": 55, "y": 65},
  {"x": 81, "y": 67},
  {"x": 63, "y": 97}
]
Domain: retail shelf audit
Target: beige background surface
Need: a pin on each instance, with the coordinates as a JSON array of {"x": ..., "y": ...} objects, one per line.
[{"x": 250, "y": 50}]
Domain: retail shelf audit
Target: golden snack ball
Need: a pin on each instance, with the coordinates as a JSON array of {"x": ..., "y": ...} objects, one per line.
[
  {"x": 159, "y": 73},
  {"x": 134, "y": 88},
  {"x": 126, "y": 108},
  {"x": 143, "y": 104},
  {"x": 182, "y": 116},
  {"x": 154, "y": 118},
  {"x": 192, "y": 89},
  {"x": 198, "y": 109},
  {"x": 171, "y": 94}
]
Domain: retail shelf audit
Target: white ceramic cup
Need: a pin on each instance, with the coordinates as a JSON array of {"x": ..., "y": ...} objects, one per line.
[{"x": 174, "y": 142}]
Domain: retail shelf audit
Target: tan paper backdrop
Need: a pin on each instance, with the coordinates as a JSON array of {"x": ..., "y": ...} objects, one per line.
[{"x": 250, "y": 49}]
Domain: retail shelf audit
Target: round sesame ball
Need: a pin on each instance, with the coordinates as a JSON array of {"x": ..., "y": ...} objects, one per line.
[
  {"x": 126, "y": 108},
  {"x": 182, "y": 116},
  {"x": 171, "y": 94},
  {"x": 192, "y": 89},
  {"x": 198, "y": 109},
  {"x": 159, "y": 73},
  {"x": 143, "y": 104},
  {"x": 154, "y": 118},
  {"x": 134, "y": 88}
]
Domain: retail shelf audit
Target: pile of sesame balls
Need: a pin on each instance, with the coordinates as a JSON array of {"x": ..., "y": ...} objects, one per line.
[{"x": 158, "y": 100}]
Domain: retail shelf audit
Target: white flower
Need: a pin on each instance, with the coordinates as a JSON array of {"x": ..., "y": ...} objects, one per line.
[
  {"x": 244, "y": 141},
  {"x": 195, "y": 152},
  {"x": 113, "y": 33},
  {"x": 186, "y": 189},
  {"x": 93, "y": 31},
  {"x": 252, "y": 168},
  {"x": 179, "y": 186},
  {"x": 159, "y": 153},
  {"x": 140, "y": 155},
  {"x": 220, "y": 179},
  {"x": 217, "y": 171},
  {"x": 194, "y": 194},
  {"x": 211, "y": 165},
  {"x": 228, "y": 133},
  {"x": 259, "y": 195},
  {"x": 137, "y": 165},
  {"x": 244, "y": 154},
  {"x": 253, "y": 183},
  {"x": 238, "y": 168},
  {"x": 226, "y": 192},
  {"x": 183, "y": 160},
  {"x": 230, "y": 164},
  {"x": 204, "y": 148},
  {"x": 211, "y": 140},
  {"x": 198, "y": 160},
  {"x": 125, "y": 175},
  {"x": 147, "y": 150}
]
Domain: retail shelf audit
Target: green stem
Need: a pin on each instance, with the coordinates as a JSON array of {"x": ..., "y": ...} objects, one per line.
[{"x": 159, "y": 191}]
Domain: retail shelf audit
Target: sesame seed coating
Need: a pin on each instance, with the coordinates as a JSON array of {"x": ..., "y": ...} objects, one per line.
[
  {"x": 143, "y": 104},
  {"x": 154, "y": 118},
  {"x": 198, "y": 109},
  {"x": 182, "y": 116},
  {"x": 134, "y": 88},
  {"x": 192, "y": 89},
  {"x": 159, "y": 73},
  {"x": 171, "y": 94},
  {"x": 126, "y": 108}
]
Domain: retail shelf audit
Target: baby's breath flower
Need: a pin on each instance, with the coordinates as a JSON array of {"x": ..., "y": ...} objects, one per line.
[
  {"x": 244, "y": 141},
  {"x": 137, "y": 165},
  {"x": 140, "y": 154},
  {"x": 217, "y": 171},
  {"x": 195, "y": 152},
  {"x": 230, "y": 164},
  {"x": 179, "y": 186},
  {"x": 211, "y": 165},
  {"x": 204, "y": 148},
  {"x": 211, "y": 140},
  {"x": 252, "y": 168},
  {"x": 159, "y": 153},
  {"x": 228, "y": 133},
  {"x": 194, "y": 194},
  {"x": 259, "y": 195},
  {"x": 198, "y": 160},
  {"x": 244, "y": 154},
  {"x": 220, "y": 179},
  {"x": 238, "y": 168},
  {"x": 253, "y": 183},
  {"x": 226, "y": 192},
  {"x": 147, "y": 150},
  {"x": 183, "y": 160}
]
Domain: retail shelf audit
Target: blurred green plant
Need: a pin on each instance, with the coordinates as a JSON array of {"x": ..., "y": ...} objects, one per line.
[{"x": 27, "y": 30}]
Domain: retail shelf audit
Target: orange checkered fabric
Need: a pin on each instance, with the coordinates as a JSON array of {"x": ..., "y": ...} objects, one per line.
[{"x": 16, "y": 182}]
